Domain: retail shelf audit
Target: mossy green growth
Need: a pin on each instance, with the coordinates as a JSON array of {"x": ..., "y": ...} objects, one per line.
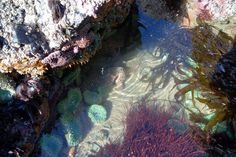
[
  {"x": 71, "y": 102},
  {"x": 51, "y": 145},
  {"x": 97, "y": 113},
  {"x": 91, "y": 97}
]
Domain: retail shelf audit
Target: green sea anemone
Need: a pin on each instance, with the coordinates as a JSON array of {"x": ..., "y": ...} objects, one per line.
[
  {"x": 97, "y": 113},
  {"x": 91, "y": 97},
  {"x": 50, "y": 145},
  {"x": 71, "y": 102}
]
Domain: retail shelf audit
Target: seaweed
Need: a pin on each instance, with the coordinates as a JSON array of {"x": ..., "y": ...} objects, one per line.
[
  {"x": 208, "y": 48},
  {"x": 169, "y": 55},
  {"x": 148, "y": 134}
]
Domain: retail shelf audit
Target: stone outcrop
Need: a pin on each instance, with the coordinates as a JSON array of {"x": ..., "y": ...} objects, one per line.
[{"x": 35, "y": 35}]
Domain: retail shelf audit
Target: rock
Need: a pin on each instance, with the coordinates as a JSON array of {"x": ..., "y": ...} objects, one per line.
[
  {"x": 7, "y": 84},
  {"x": 117, "y": 76},
  {"x": 35, "y": 34},
  {"x": 162, "y": 9},
  {"x": 218, "y": 13},
  {"x": 190, "y": 13},
  {"x": 224, "y": 74},
  {"x": 21, "y": 130}
]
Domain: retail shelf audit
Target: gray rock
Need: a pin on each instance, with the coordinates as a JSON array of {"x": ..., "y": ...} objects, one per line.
[{"x": 37, "y": 33}]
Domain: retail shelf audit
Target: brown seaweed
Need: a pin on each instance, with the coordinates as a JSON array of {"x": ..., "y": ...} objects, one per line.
[{"x": 208, "y": 48}]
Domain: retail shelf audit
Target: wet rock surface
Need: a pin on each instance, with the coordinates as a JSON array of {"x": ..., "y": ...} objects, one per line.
[
  {"x": 225, "y": 72},
  {"x": 35, "y": 34},
  {"x": 68, "y": 32},
  {"x": 22, "y": 122}
]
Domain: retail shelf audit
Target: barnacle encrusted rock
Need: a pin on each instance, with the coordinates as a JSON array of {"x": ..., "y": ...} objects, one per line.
[{"x": 38, "y": 33}]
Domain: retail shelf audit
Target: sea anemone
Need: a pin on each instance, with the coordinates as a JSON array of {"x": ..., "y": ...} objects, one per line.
[
  {"x": 91, "y": 97},
  {"x": 97, "y": 113},
  {"x": 148, "y": 134},
  {"x": 71, "y": 102}
]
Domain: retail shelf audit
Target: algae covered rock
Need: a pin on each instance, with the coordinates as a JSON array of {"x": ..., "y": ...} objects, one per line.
[
  {"x": 35, "y": 35},
  {"x": 97, "y": 113},
  {"x": 7, "y": 88},
  {"x": 6, "y": 83}
]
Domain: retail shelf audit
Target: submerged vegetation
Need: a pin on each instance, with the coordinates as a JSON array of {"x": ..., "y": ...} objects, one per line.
[
  {"x": 207, "y": 50},
  {"x": 195, "y": 60},
  {"x": 148, "y": 134}
]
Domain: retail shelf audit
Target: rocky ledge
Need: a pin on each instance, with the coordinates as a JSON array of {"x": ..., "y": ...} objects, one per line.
[{"x": 37, "y": 35}]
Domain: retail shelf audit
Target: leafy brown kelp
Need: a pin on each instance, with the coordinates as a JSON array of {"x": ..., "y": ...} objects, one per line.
[{"x": 208, "y": 48}]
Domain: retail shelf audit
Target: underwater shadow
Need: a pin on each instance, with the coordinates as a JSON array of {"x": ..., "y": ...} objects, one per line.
[{"x": 170, "y": 45}]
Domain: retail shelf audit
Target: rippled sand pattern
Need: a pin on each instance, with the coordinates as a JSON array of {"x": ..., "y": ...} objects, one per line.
[
  {"x": 121, "y": 98},
  {"x": 138, "y": 85},
  {"x": 143, "y": 79}
]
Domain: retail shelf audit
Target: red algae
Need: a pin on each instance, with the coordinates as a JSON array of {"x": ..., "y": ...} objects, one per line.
[{"x": 149, "y": 135}]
